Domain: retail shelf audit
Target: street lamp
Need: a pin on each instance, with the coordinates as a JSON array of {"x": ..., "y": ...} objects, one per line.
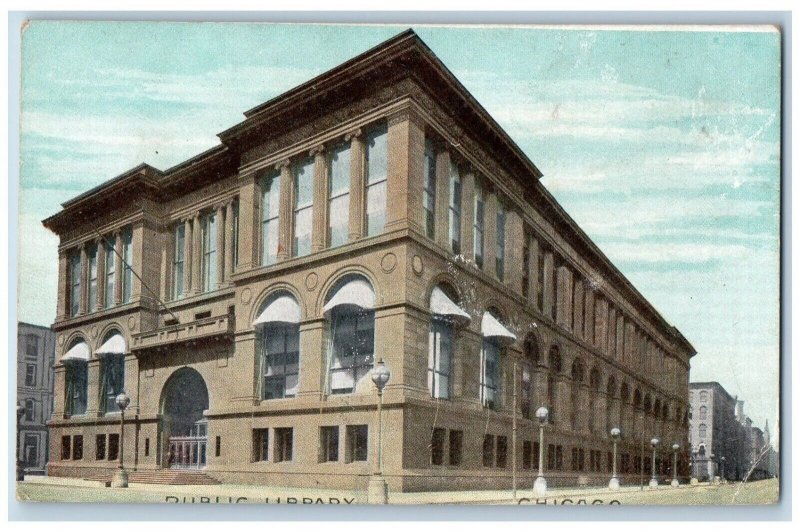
[
  {"x": 120, "y": 479},
  {"x": 613, "y": 484},
  {"x": 675, "y": 448},
  {"x": 378, "y": 492},
  {"x": 20, "y": 469},
  {"x": 722, "y": 459},
  {"x": 653, "y": 480},
  {"x": 540, "y": 485}
]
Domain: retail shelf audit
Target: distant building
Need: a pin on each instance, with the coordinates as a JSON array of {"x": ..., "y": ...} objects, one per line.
[
  {"x": 36, "y": 347},
  {"x": 763, "y": 458}
]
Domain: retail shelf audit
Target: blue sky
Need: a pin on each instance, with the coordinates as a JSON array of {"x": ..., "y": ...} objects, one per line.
[{"x": 663, "y": 145}]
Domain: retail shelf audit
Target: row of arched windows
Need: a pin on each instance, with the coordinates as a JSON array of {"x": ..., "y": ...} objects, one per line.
[{"x": 112, "y": 373}]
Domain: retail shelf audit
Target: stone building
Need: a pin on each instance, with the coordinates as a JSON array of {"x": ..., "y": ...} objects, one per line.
[
  {"x": 36, "y": 348},
  {"x": 377, "y": 211}
]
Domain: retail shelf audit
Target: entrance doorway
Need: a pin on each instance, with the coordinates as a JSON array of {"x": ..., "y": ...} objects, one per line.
[{"x": 183, "y": 427}]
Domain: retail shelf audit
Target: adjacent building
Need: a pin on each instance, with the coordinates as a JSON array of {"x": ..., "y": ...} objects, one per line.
[
  {"x": 724, "y": 442},
  {"x": 241, "y": 299},
  {"x": 36, "y": 347}
]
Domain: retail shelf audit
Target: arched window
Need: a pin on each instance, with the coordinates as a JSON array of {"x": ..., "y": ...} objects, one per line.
[
  {"x": 577, "y": 370},
  {"x": 553, "y": 369},
  {"x": 657, "y": 408},
  {"x": 594, "y": 380},
  {"x": 495, "y": 337},
  {"x": 647, "y": 404},
  {"x": 703, "y": 396},
  {"x": 702, "y": 430},
  {"x": 611, "y": 387},
  {"x": 528, "y": 367},
  {"x": 703, "y": 412},
  {"x": 350, "y": 316},
  {"x": 637, "y": 398},
  {"x": 445, "y": 315},
  {"x": 76, "y": 379},
  {"x": 701, "y": 450},
  {"x": 112, "y": 370},
  {"x": 278, "y": 336}
]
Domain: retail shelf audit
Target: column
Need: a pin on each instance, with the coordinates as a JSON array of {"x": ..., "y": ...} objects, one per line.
[
  {"x": 468, "y": 214},
  {"x": 197, "y": 254},
  {"x": 588, "y": 322},
  {"x": 358, "y": 184},
  {"x": 93, "y": 398},
  {"x": 406, "y": 144},
  {"x": 59, "y": 391},
  {"x": 101, "y": 277},
  {"x": 83, "y": 304},
  {"x": 285, "y": 211},
  {"x": 578, "y": 299},
  {"x": 313, "y": 366},
  {"x": 611, "y": 326},
  {"x": 249, "y": 222},
  {"x": 564, "y": 296},
  {"x": 221, "y": 250},
  {"x": 533, "y": 262},
  {"x": 319, "y": 223},
  {"x": 549, "y": 284},
  {"x": 563, "y": 403},
  {"x": 118, "y": 268},
  {"x": 187, "y": 255},
  {"x": 229, "y": 235},
  {"x": 63, "y": 285},
  {"x": 442, "y": 229},
  {"x": 490, "y": 232}
]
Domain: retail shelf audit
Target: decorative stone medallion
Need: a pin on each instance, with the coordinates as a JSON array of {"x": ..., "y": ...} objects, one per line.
[
  {"x": 246, "y": 295},
  {"x": 416, "y": 265},
  {"x": 61, "y": 339},
  {"x": 388, "y": 262},
  {"x": 94, "y": 331},
  {"x": 311, "y": 280},
  {"x": 132, "y": 323}
]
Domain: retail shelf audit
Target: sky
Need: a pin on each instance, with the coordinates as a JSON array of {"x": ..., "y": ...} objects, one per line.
[{"x": 664, "y": 146}]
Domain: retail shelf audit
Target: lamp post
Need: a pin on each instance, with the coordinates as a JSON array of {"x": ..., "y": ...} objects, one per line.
[
  {"x": 540, "y": 485},
  {"x": 120, "y": 479},
  {"x": 675, "y": 448},
  {"x": 20, "y": 469},
  {"x": 653, "y": 480},
  {"x": 377, "y": 491},
  {"x": 613, "y": 484},
  {"x": 722, "y": 473}
]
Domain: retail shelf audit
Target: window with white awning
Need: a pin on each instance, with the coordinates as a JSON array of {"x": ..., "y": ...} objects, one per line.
[
  {"x": 357, "y": 291},
  {"x": 278, "y": 327},
  {"x": 492, "y": 328},
  {"x": 78, "y": 352},
  {"x": 445, "y": 313},
  {"x": 282, "y": 309},
  {"x": 115, "y": 345}
]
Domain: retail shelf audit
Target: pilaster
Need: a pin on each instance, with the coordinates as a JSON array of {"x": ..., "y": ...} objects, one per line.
[
  {"x": 357, "y": 184},
  {"x": 490, "y": 232},
  {"x": 188, "y": 239},
  {"x": 230, "y": 232},
  {"x": 468, "y": 215},
  {"x": 83, "y": 304},
  {"x": 319, "y": 223},
  {"x": 197, "y": 254},
  {"x": 93, "y": 388},
  {"x": 118, "y": 267},
  {"x": 101, "y": 274},
  {"x": 442, "y": 230},
  {"x": 285, "y": 210},
  {"x": 221, "y": 249},
  {"x": 406, "y": 145}
]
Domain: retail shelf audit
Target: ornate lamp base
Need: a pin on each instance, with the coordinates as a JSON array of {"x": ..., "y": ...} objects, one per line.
[
  {"x": 540, "y": 487},
  {"x": 674, "y": 483},
  {"x": 120, "y": 479},
  {"x": 653, "y": 483},
  {"x": 613, "y": 484},
  {"x": 377, "y": 490}
]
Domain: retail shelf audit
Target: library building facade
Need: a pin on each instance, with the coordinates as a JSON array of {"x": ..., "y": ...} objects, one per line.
[{"x": 376, "y": 212}]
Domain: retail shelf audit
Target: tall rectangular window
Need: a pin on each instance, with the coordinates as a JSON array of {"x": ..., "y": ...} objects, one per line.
[
  {"x": 113, "y": 381},
  {"x": 30, "y": 375},
  {"x": 357, "y": 436},
  {"x": 30, "y": 409},
  {"x": 526, "y": 264},
  {"x": 75, "y": 283},
  {"x": 281, "y": 360},
  {"x": 526, "y": 389},
  {"x": 113, "y": 447},
  {"x": 454, "y": 211},
  {"x": 77, "y": 447},
  {"x": 526, "y": 454},
  {"x": 270, "y": 209},
  {"x": 178, "y": 261},
  {"x": 329, "y": 444},
  {"x": 478, "y": 225},
  {"x": 500, "y": 248},
  {"x": 429, "y": 190},
  {"x": 127, "y": 273},
  {"x": 490, "y": 373},
  {"x": 32, "y": 346},
  {"x": 303, "y": 206},
  {"x": 456, "y": 445},
  {"x": 440, "y": 348},
  {"x": 284, "y": 444},
  {"x": 338, "y": 194},
  {"x": 100, "y": 447},
  {"x": 437, "y": 446},
  {"x": 488, "y": 450},
  {"x": 209, "y": 252},
  {"x": 66, "y": 447},
  {"x": 377, "y": 170},
  {"x": 535, "y": 455},
  {"x": 502, "y": 451},
  {"x": 540, "y": 280},
  {"x": 110, "y": 273},
  {"x": 260, "y": 445},
  {"x": 76, "y": 388},
  {"x": 92, "y": 303}
]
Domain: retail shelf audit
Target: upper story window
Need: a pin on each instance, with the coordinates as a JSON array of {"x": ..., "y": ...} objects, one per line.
[
  {"x": 377, "y": 165},
  {"x": 209, "y": 251},
  {"x": 526, "y": 264},
  {"x": 278, "y": 333},
  {"x": 454, "y": 211},
  {"x": 270, "y": 208},
  {"x": 478, "y": 224},
  {"x": 30, "y": 410},
  {"x": 701, "y": 431},
  {"x": 92, "y": 303},
  {"x": 338, "y": 194},
  {"x": 178, "y": 261},
  {"x": 429, "y": 189},
  {"x": 303, "y": 206},
  {"x": 110, "y": 273},
  {"x": 75, "y": 283},
  {"x": 127, "y": 274},
  {"x": 703, "y": 396},
  {"x": 500, "y": 248},
  {"x": 31, "y": 346},
  {"x": 445, "y": 314},
  {"x": 703, "y": 412},
  {"x": 30, "y": 375},
  {"x": 350, "y": 317},
  {"x": 540, "y": 280}
]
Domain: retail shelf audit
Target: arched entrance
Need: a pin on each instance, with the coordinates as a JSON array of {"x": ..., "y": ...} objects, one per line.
[{"x": 183, "y": 427}]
